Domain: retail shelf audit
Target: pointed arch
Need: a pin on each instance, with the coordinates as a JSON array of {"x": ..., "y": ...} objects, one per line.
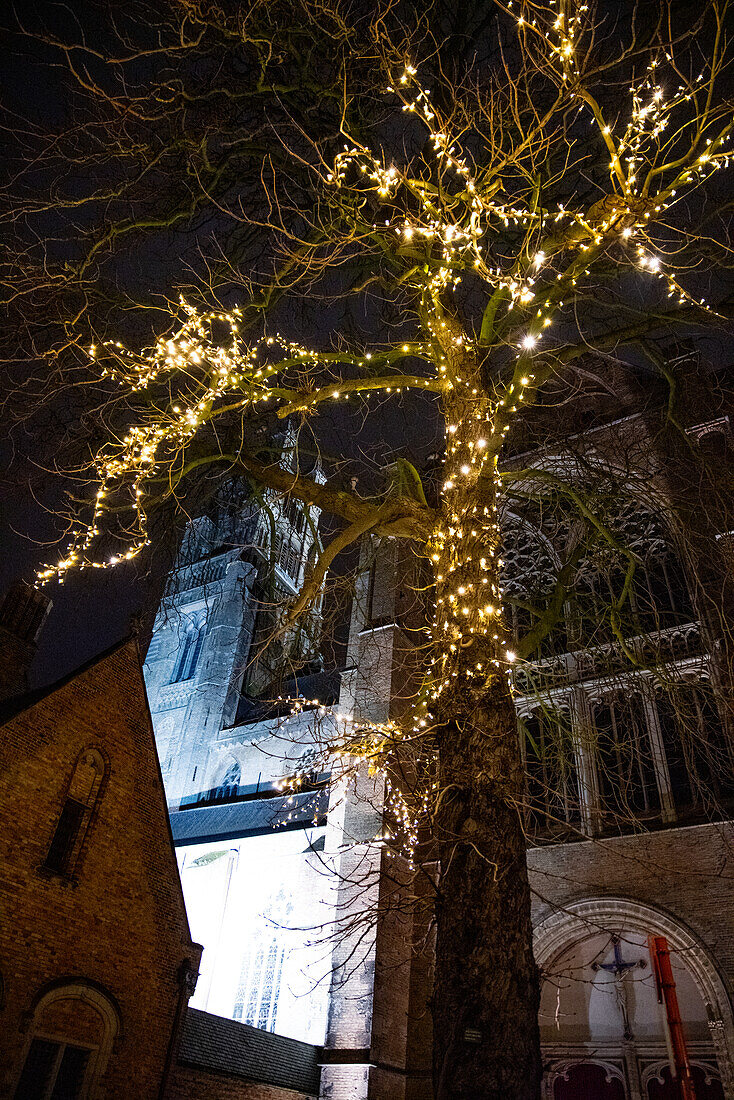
[
  {"x": 561, "y": 929},
  {"x": 190, "y": 647}
]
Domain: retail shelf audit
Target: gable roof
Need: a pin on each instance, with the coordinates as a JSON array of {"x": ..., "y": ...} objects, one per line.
[{"x": 16, "y": 704}]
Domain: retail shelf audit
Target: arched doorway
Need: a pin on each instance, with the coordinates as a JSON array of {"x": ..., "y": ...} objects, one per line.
[{"x": 603, "y": 1030}]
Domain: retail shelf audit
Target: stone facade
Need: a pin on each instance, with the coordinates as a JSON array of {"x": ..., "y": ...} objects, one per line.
[{"x": 235, "y": 569}]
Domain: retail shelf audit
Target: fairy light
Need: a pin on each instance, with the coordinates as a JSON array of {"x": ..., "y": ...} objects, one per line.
[{"x": 447, "y": 225}]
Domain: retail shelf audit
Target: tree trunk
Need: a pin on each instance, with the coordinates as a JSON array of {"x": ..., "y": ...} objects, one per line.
[{"x": 486, "y": 994}]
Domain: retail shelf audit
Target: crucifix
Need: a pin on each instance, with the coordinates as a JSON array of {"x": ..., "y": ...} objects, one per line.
[{"x": 620, "y": 968}]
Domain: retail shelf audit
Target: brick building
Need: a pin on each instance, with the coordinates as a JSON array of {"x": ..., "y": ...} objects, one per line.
[{"x": 97, "y": 963}]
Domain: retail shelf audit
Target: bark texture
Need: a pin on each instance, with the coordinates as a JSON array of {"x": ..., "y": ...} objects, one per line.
[{"x": 486, "y": 993}]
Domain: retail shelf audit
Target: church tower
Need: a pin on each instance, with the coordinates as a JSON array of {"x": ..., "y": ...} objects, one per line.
[{"x": 236, "y": 569}]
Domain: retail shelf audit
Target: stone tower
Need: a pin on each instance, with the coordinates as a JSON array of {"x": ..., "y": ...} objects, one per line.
[{"x": 235, "y": 569}]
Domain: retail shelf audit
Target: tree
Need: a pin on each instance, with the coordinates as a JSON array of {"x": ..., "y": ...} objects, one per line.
[{"x": 497, "y": 230}]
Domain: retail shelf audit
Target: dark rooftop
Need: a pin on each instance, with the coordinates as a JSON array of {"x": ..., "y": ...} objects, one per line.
[
  {"x": 252, "y": 817},
  {"x": 226, "y": 1046},
  {"x": 323, "y": 686}
]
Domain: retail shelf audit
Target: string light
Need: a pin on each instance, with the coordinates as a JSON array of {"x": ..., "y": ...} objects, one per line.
[{"x": 451, "y": 220}]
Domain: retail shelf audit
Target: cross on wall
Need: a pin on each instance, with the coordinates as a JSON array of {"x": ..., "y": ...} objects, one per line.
[{"x": 619, "y": 969}]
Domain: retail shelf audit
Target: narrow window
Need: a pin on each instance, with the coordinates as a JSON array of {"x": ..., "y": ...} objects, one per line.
[
  {"x": 64, "y": 839},
  {"x": 552, "y": 794},
  {"x": 76, "y": 813},
  {"x": 624, "y": 763},
  {"x": 190, "y": 650}
]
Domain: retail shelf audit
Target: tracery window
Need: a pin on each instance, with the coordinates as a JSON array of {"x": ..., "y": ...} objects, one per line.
[
  {"x": 659, "y": 596},
  {"x": 640, "y": 753},
  {"x": 552, "y": 787},
  {"x": 190, "y": 648},
  {"x": 537, "y": 544},
  {"x": 529, "y": 575},
  {"x": 625, "y": 768},
  {"x": 258, "y": 990}
]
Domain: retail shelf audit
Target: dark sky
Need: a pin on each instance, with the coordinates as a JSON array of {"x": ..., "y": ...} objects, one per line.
[
  {"x": 93, "y": 610},
  {"x": 89, "y": 612}
]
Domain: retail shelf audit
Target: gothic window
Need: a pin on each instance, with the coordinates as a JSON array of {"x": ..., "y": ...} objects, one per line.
[
  {"x": 699, "y": 760},
  {"x": 258, "y": 990},
  {"x": 660, "y": 596},
  {"x": 190, "y": 648},
  {"x": 625, "y": 769},
  {"x": 529, "y": 575},
  {"x": 76, "y": 813},
  {"x": 230, "y": 779},
  {"x": 286, "y": 557},
  {"x": 295, "y": 514},
  {"x": 552, "y": 789}
]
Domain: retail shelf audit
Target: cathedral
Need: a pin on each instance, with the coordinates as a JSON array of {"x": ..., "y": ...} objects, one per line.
[
  {"x": 274, "y": 943},
  {"x": 629, "y": 791}
]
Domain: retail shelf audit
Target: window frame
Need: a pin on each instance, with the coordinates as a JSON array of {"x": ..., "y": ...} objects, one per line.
[
  {"x": 63, "y": 1043},
  {"x": 98, "y": 998},
  {"x": 191, "y": 644}
]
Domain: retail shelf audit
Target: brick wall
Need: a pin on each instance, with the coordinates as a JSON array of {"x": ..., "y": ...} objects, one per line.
[
  {"x": 189, "y": 1083},
  {"x": 685, "y": 872},
  {"x": 120, "y": 922}
]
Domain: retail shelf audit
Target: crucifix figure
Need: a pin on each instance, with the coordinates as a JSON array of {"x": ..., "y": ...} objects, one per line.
[{"x": 619, "y": 968}]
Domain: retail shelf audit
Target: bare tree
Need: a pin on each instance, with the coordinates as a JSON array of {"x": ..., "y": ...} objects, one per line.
[{"x": 504, "y": 226}]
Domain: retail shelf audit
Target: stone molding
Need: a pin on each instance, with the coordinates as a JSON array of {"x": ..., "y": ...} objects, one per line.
[{"x": 561, "y": 929}]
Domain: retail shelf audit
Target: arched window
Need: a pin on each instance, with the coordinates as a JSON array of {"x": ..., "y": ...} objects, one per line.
[
  {"x": 552, "y": 789},
  {"x": 76, "y": 813},
  {"x": 190, "y": 648},
  {"x": 231, "y": 778},
  {"x": 697, "y": 751},
  {"x": 73, "y": 1027}
]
